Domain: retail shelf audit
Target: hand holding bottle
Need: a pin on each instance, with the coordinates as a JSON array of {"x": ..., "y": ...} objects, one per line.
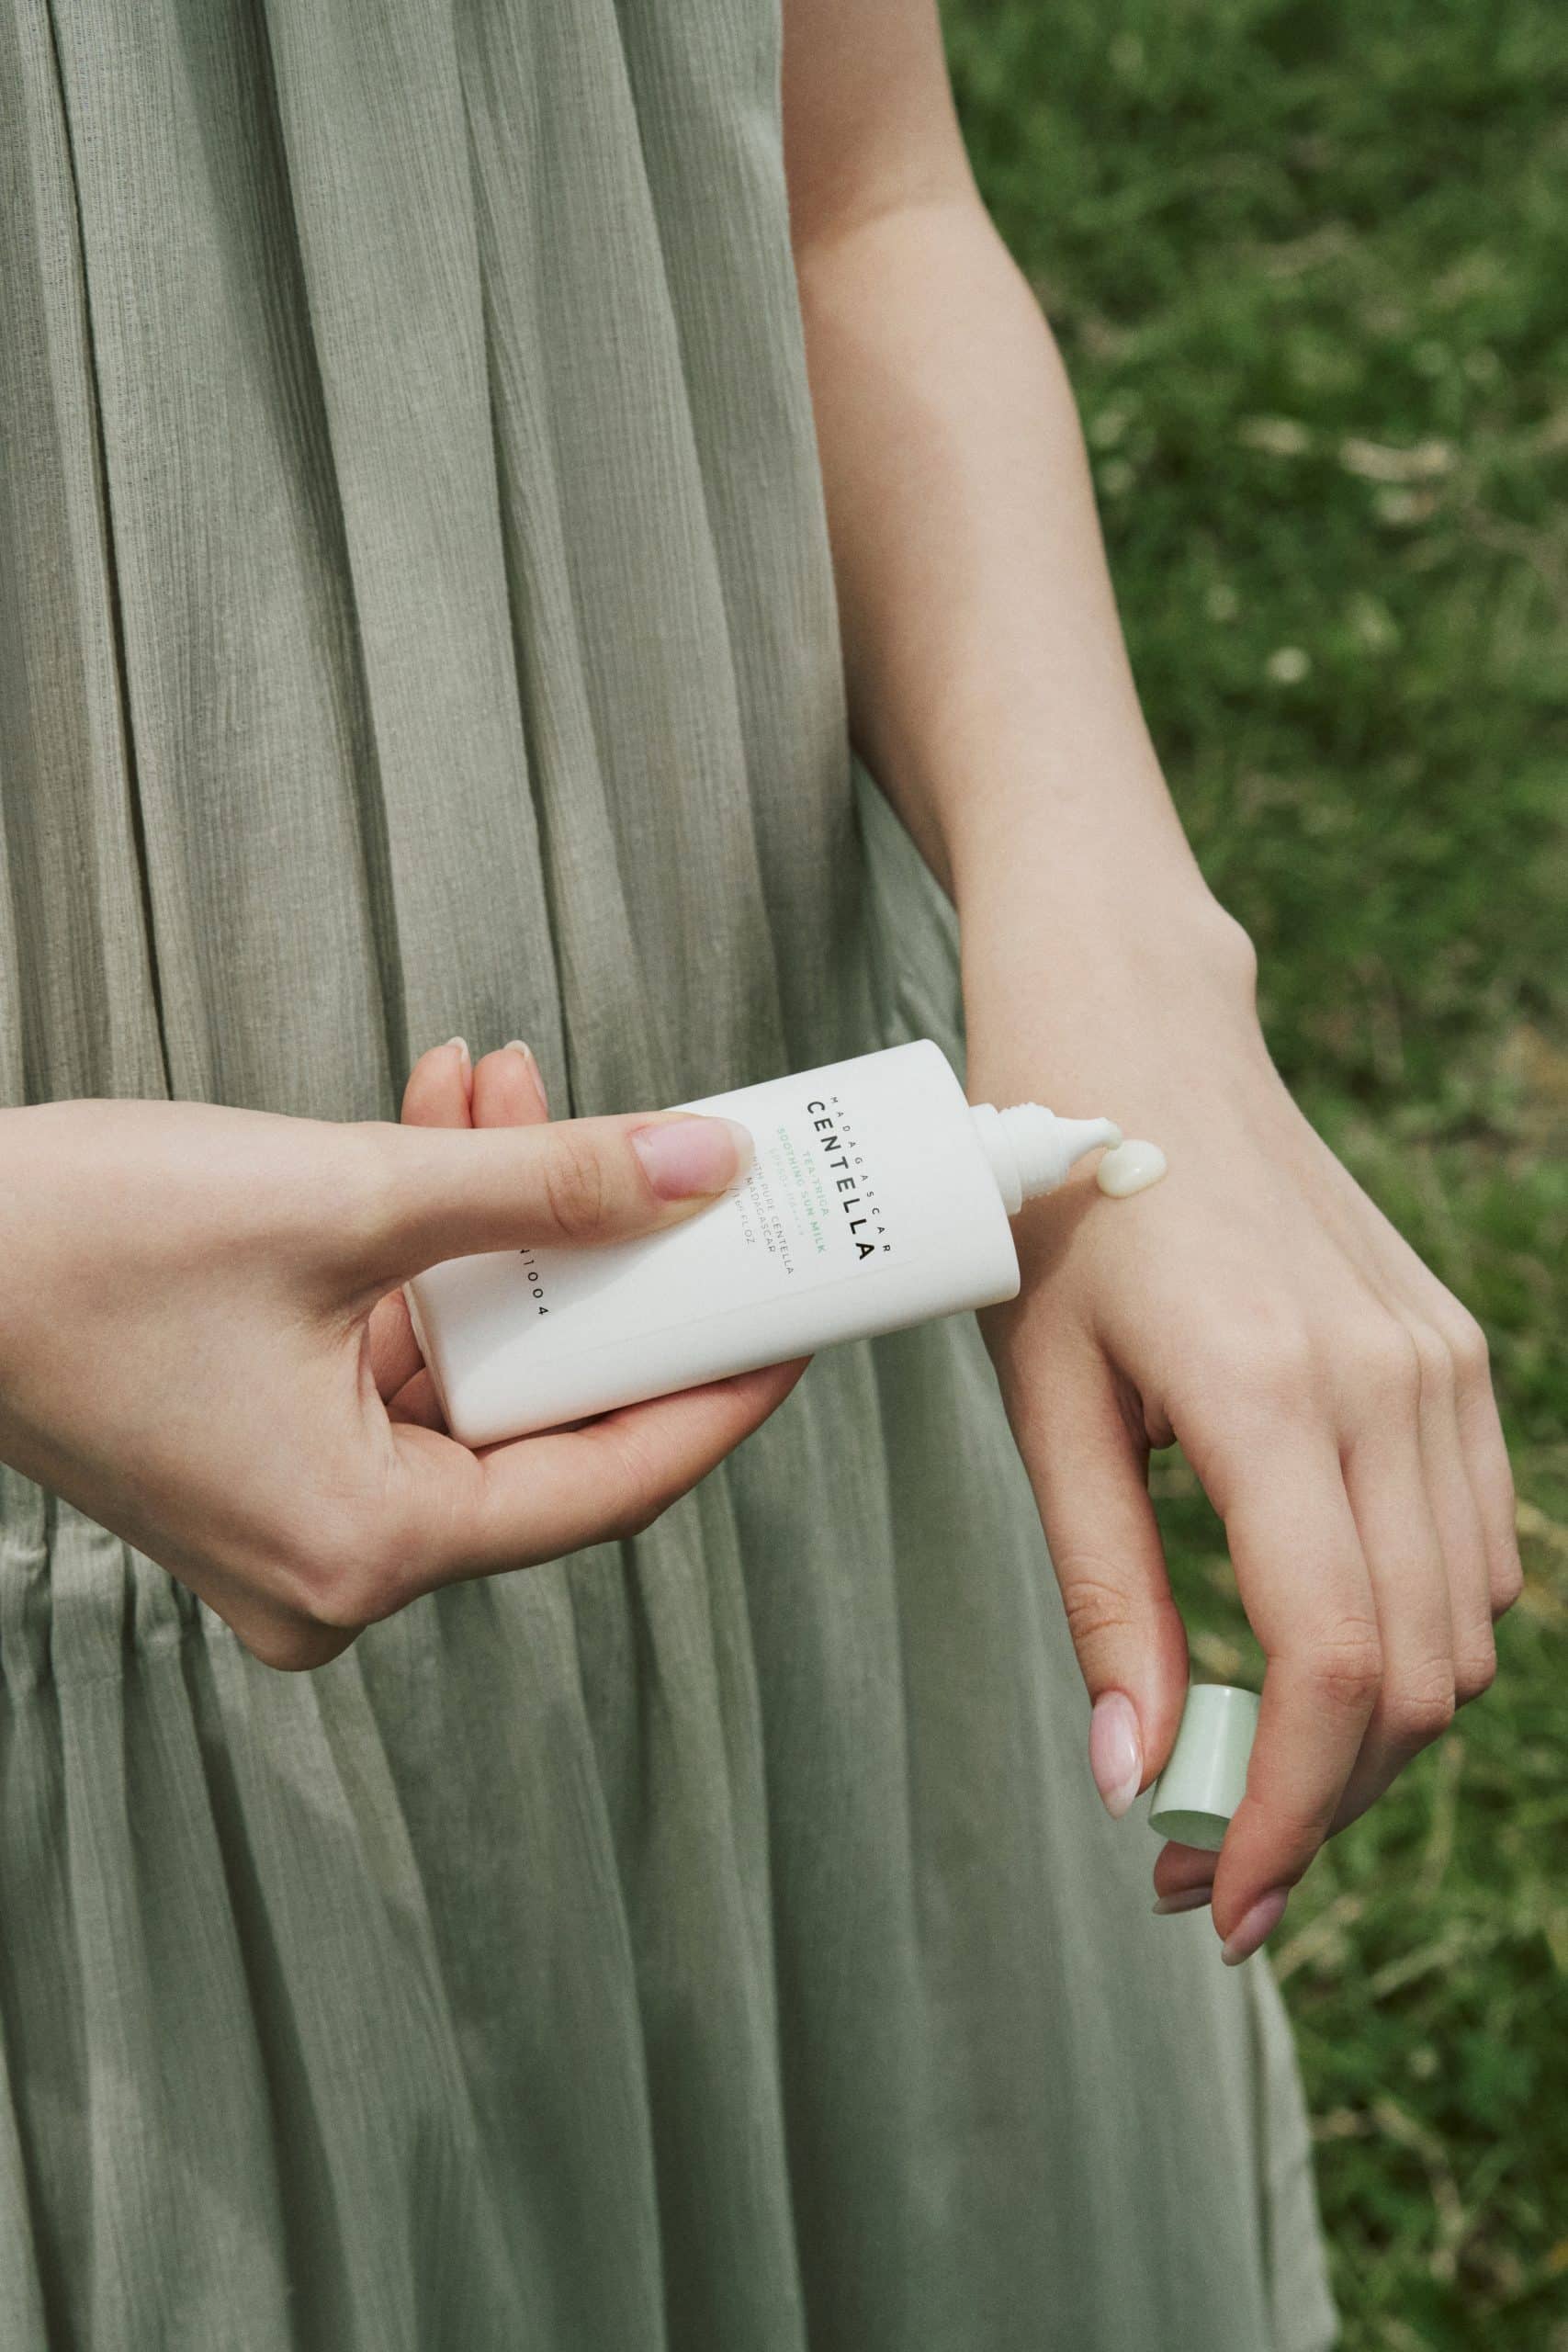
[{"x": 202, "y": 1348}]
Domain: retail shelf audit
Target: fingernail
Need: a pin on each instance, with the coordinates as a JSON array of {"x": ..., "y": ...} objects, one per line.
[
  {"x": 685, "y": 1157},
  {"x": 515, "y": 1046},
  {"x": 1115, "y": 1751},
  {"x": 467, "y": 1058},
  {"x": 1191, "y": 1898},
  {"x": 1255, "y": 1927}
]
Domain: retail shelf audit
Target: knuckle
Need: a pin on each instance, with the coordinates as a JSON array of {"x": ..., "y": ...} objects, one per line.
[
  {"x": 1345, "y": 1667},
  {"x": 344, "y": 1605},
  {"x": 1241, "y": 952},
  {"x": 1420, "y": 1706},
  {"x": 1272, "y": 1356},
  {"x": 629, "y": 1515},
  {"x": 1507, "y": 1584},
  {"x": 353, "y": 1597},
  {"x": 1293, "y": 1834},
  {"x": 1094, "y": 1604},
  {"x": 1286, "y": 1385},
  {"x": 292, "y": 1645},
  {"x": 1433, "y": 1363},
  {"x": 341, "y": 1576},
  {"x": 1469, "y": 1350},
  {"x": 1388, "y": 1363},
  {"x": 576, "y": 1196},
  {"x": 1475, "y": 1670},
  {"x": 642, "y": 1490}
]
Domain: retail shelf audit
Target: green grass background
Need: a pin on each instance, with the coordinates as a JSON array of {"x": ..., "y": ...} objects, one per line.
[{"x": 1309, "y": 264}]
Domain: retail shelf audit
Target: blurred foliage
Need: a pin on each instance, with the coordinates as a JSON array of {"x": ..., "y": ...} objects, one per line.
[{"x": 1309, "y": 265}]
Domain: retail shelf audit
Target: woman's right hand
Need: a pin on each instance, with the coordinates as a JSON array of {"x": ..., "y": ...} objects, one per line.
[{"x": 203, "y": 1347}]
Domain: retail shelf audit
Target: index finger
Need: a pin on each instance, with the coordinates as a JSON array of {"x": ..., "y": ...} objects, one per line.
[
  {"x": 1304, "y": 1582},
  {"x": 541, "y": 1498}
]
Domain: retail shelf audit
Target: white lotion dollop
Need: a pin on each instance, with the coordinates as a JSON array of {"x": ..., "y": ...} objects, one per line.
[{"x": 1131, "y": 1167}]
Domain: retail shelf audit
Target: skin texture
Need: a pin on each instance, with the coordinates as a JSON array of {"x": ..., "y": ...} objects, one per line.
[
  {"x": 202, "y": 1344},
  {"x": 1255, "y": 1306}
]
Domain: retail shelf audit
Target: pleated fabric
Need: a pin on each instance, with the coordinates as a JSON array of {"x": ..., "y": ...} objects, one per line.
[{"x": 415, "y": 617}]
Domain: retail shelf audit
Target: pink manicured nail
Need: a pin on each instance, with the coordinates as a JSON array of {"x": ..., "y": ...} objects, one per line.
[
  {"x": 1115, "y": 1751},
  {"x": 685, "y": 1157},
  {"x": 1191, "y": 1898},
  {"x": 1255, "y": 1927},
  {"x": 463, "y": 1056},
  {"x": 515, "y": 1046}
]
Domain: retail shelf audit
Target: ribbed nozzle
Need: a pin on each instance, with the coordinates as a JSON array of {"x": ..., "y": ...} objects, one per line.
[{"x": 1031, "y": 1150}]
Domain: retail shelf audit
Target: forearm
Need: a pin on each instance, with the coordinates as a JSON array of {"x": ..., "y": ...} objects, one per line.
[
  {"x": 1328, "y": 1392},
  {"x": 989, "y": 688}
]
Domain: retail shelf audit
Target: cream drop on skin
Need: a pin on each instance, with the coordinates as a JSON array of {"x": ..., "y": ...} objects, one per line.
[
  {"x": 877, "y": 1196},
  {"x": 1130, "y": 1167}
]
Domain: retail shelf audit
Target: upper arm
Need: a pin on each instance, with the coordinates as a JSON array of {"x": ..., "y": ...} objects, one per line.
[{"x": 868, "y": 117}]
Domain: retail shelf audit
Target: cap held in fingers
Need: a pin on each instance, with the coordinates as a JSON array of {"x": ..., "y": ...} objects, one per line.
[{"x": 1195, "y": 1796}]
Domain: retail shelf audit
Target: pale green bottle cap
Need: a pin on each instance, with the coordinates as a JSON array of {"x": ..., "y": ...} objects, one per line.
[{"x": 1206, "y": 1779}]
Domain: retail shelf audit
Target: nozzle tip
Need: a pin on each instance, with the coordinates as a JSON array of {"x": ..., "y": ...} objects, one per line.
[{"x": 1079, "y": 1135}]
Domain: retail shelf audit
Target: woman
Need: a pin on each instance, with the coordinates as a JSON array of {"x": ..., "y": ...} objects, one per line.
[{"x": 419, "y": 617}]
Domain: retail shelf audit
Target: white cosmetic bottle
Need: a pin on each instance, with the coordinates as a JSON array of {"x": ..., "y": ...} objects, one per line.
[{"x": 879, "y": 1196}]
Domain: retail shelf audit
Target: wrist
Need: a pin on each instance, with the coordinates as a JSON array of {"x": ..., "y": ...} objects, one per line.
[{"x": 1120, "y": 1004}]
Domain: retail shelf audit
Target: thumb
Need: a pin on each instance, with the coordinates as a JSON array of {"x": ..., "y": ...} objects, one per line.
[
  {"x": 1089, "y": 1470},
  {"x": 451, "y": 1193}
]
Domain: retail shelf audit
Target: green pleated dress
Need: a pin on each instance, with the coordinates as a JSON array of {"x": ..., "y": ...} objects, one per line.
[{"x": 415, "y": 616}]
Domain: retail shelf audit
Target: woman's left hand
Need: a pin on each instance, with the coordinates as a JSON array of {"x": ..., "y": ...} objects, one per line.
[{"x": 1331, "y": 1395}]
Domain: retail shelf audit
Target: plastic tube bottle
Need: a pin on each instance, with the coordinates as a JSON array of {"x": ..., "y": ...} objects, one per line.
[{"x": 879, "y": 1196}]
